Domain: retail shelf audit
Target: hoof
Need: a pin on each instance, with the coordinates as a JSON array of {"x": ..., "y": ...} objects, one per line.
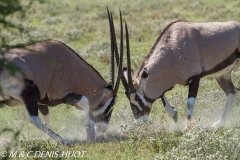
[
  {"x": 67, "y": 142},
  {"x": 217, "y": 125},
  {"x": 90, "y": 137},
  {"x": 90, "y": 134},
  {"x": 185, "y": 129},
  {"x": 188, "y": 125},
  {"x": 175, "y": 117}
]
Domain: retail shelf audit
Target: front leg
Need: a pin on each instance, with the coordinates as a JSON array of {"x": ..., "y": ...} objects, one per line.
[
  {"x": 90, "y": 129},
  {"x": 192, "y": 94},
  {"x": 83, "y": 103},
  {"x": 169, "y": 109}
]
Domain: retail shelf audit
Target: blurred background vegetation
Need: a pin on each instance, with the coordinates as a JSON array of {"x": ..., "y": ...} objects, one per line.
[{"x": 83, "y": 25}]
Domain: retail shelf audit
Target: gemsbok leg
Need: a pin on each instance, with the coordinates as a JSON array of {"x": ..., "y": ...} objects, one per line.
[
  {"x": 46, "y": 114},
  {"x": 169, "y": 109},
  {"x": 231, "y": 92},
  {"x": 30, "y": 101},
  {"x": 192, "y": 94}
]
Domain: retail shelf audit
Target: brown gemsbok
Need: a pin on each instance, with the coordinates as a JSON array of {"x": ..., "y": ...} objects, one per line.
[
  {"x": 184, "y": 53},
  {"x": 51, "y": 73}
]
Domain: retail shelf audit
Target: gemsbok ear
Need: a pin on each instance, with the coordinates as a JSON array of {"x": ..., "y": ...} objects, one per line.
[
  {"x": 108, "y": 88},
  {"x": 125, "y": 74}
]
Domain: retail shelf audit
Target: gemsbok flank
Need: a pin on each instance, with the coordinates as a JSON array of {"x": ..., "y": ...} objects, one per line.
[
  {"x": 51, "y": 73},
  {"x": 184, "y": 53}
]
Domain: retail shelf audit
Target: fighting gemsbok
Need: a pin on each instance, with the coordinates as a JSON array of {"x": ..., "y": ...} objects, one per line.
[
  {"x": 184, "y": 53},
  {"x": 51, "y": 73}
]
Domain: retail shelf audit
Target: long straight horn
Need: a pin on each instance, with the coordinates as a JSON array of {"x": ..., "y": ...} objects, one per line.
[
  {"x": 114, "y": 41},
  {"x": 112, "y": 48},
  {"x": 121, "y": 56},
  {"x": 131, "y": 88}
]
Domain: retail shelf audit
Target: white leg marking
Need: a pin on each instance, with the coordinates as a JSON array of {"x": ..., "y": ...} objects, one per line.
[
  {"x": 37, "y": 122},
  {"x": 141, "y": 119},
  {"x": 102, "y": 109},
  {"x": 190, "y": 106},
  {"x": 230, "y": 101},
  {"x": 169, "y": 109},
  {"x": 83, "y": 103}
]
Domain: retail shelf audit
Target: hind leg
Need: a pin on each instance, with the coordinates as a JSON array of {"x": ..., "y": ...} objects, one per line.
[
  {"x": 226, "y": 84},
  {"x": 30, "y": 101},
  {"x": 46, "y": 114}
]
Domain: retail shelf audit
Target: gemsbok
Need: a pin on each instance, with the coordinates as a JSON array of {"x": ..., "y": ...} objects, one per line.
[
  {"x": 184, "y": 53},
  {"x": 51, "y": 73}
]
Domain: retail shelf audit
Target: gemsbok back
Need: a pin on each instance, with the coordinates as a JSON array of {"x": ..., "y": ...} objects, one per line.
[
  {"x": 51, "y": 73},
  {"x": 184, "y": 53}
]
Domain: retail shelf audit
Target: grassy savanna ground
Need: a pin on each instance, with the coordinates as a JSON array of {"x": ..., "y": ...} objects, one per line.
[{"x": 83, "y": 25}]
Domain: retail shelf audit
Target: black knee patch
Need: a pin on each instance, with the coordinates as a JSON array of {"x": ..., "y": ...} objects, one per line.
[{"x": 29, "y": 97}]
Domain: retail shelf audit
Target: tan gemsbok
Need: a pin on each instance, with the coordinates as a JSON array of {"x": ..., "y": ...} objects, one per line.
[
  {"x": 184, "y": 53},
  {"x": 52, "y": 73}
]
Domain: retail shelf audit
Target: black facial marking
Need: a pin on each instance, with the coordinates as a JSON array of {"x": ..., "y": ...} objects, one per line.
[
  {"x": 136, "y": 111},
  {"x": 103, "y": 117}
]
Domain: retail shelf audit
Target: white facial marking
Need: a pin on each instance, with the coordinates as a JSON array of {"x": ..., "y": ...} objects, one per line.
[
  {"x": 143, "y": 100},
  {"x": 169, "y": 108},
  {"x": 190, "y": 105},
  {"x": 102, "y": 109},
  {"x": 115, "y": 100},
  {"x": 141, "y": 119},
  {"x": 133, "y": 101}
]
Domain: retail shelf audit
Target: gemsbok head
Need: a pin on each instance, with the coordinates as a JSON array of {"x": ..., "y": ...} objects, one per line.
[
  {"x": 51, "y": 73},
  {"x": 184, "y": 53}
]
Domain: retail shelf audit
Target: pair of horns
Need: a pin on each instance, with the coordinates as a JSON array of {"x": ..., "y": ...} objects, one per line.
[{"x": 114, "y": 51}]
